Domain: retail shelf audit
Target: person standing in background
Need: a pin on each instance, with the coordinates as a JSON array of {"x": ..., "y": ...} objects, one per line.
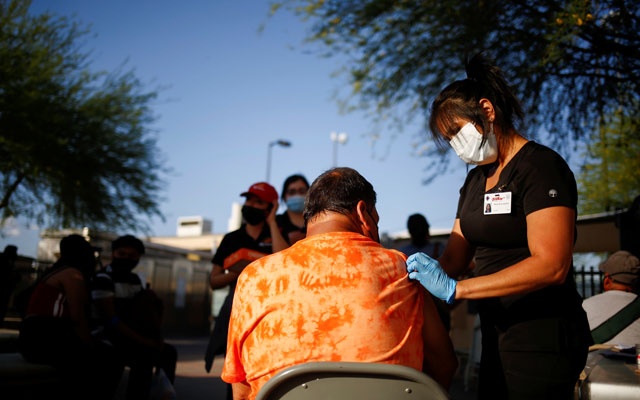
[
  {"x": 9, "y": 278},
  {"x": 535, "y": 333},
  {"x": 291, "y": 222},
  {"x": 418, "y": 228},
  {"x": 258, "y": 235}
]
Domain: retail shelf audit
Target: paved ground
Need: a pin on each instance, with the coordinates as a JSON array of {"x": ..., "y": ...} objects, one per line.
[{"x": 193, "y": 382}]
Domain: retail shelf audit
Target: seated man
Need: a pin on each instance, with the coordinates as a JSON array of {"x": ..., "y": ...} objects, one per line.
[
  {"x": 129, "y": 316},
  {"x": 336, "y": 295},
  {"x": 621, "y": 287}
]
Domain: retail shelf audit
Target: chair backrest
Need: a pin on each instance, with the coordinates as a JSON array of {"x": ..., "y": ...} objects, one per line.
[{"x": 350, "y": 380}]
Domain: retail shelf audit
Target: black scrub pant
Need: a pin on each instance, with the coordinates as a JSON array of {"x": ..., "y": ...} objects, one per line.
[{"x": 535, "y": 359}]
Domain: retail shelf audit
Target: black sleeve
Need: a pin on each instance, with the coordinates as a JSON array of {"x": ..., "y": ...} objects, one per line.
[
  {"x": 549, "y": 183},
  {"x": 224, "y": 250}
]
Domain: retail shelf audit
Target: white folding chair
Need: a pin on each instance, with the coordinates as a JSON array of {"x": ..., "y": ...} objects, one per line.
[{"x": 350, "y": 380}]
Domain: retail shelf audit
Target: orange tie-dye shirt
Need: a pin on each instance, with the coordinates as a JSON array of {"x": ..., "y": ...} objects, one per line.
[{"x": 331, "y": 297}]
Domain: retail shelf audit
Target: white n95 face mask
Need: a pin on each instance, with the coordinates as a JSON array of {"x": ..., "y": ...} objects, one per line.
[{"x": 467, "y": 144}]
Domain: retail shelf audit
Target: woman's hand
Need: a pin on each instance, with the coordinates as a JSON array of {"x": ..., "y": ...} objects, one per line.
[
  {"x": 430, "y": 274},
  {"x": 271, "y": 217}
]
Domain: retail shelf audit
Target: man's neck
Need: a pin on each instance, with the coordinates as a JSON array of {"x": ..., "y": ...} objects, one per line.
[
  {"x": 610, "y": 284},
  {"x": 331, "y": 222}
]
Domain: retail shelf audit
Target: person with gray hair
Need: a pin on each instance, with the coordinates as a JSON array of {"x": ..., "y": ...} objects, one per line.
[
  {"x": 336, "y": 295},
  {"x": 614, "y": 315}
]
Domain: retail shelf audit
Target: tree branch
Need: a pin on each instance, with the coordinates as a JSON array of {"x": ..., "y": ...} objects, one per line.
[{"x": 12, "y": 188}]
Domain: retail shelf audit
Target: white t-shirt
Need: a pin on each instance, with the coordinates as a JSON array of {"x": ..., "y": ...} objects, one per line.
[{"x": 601, "y": 307}]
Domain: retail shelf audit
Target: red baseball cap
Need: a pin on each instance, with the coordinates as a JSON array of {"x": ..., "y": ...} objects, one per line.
[{"x": 263, "y": 191}]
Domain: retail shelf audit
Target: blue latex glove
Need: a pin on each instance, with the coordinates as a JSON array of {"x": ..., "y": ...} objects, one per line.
[{"x": 430, "y": 274}]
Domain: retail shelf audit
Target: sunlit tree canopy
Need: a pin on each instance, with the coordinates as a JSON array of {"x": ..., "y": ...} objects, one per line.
[
  {"x": 76, "y": 148},
  {"x": 572, "y": 62}
]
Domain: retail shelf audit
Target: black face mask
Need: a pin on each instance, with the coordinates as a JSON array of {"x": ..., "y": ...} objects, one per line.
[
  {"x": 252, "y": 215},
  {"x": 123, "y": 265}
]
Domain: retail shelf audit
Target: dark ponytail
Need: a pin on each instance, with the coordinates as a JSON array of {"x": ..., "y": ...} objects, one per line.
[
  {"x": 495, "y": 88},
  {"x": 461, "y": 99}
]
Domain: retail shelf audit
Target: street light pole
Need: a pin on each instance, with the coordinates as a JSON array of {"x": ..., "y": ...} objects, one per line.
[
  {"x": 337, "y": 138},
  {"x": 279, "y": 142}
]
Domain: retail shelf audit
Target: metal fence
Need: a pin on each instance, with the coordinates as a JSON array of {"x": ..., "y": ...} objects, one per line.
[{"x": 588, "y": 281}]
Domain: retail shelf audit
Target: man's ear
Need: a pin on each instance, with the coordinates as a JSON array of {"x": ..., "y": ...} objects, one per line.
[
  {"x": 487, "y": 108},
  {"x": 364, "y": 217}
]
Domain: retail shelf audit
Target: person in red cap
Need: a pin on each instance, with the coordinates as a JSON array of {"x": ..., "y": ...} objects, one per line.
[{"x": 258, "y": 235}]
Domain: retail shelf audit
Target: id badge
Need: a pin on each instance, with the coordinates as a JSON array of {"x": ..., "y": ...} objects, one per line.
[{"x": 497, "y": 203}]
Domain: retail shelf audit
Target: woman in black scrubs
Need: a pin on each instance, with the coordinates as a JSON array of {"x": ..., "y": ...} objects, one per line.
[{"x": 535, "y": 334}]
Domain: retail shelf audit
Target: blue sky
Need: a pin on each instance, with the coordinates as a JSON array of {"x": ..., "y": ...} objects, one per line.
[{"x": 227, "y": 90}]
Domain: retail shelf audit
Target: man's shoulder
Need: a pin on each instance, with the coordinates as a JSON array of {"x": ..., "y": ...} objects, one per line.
[
  {"x": 608, "y": 302},
  {"x": 354, "y": 248},
  {"x": 610, "y": 295}
]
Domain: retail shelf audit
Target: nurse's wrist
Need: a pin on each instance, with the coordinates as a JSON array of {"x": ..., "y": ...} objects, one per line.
[{"x": 460, "y": 291}]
